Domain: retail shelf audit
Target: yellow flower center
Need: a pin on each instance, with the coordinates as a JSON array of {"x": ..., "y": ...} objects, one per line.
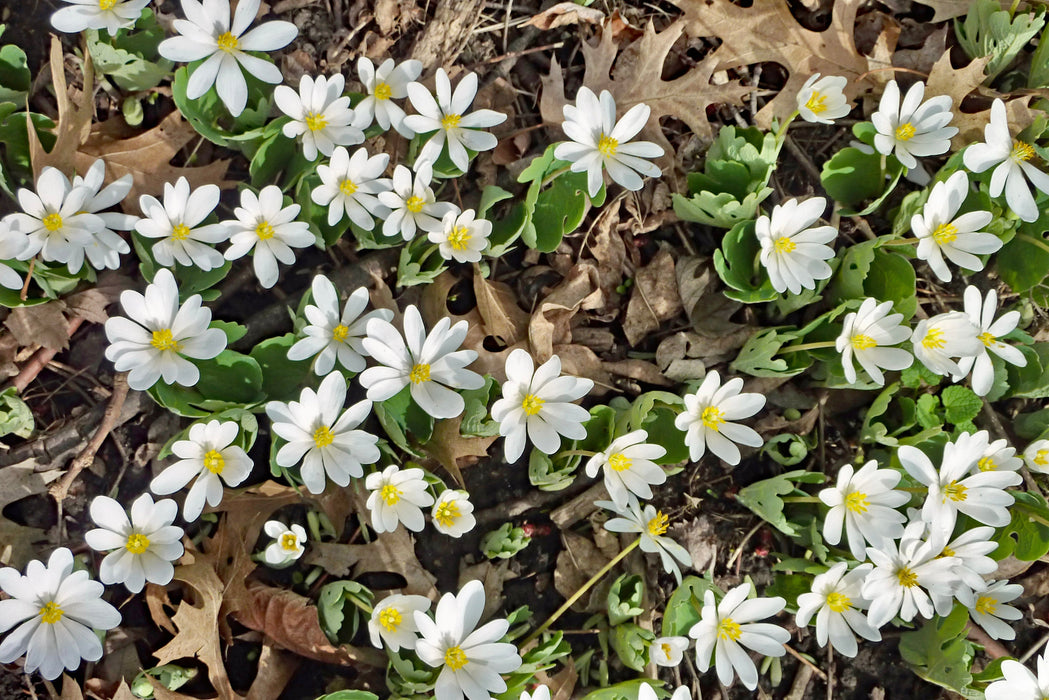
[
  {"x": 447, "y": 513},
  {"x": 905, "y": 132},
  {"x": 906, "y": 577},
  {"x": 712, "y": 417},
  {"x": 264, "y": 231},
  {"x": 455, "y": 658},
  {"x": 784, "y": 244},
  {"x": 136, "y": 543},
  {"x": 390, "y": 619},
  {"x": 817, "y": 102},
  {"x": 415, "y": 204},
  {"x": 459, "y": 237},
  {"x": 945, "y": 233},
  {"x": 729, "y": 629},
  {"x": 52, "y": 222},
  {"x": 666, "y": 650},
  {"x": 857, "y": 502},
  {"x": 315, "y": 122},
  {"x": 180, "y": 232},
  {"x": 1041, "y": 458},
  {"x": 607, "y": 146},
  {"x": 987, "y": 339},
  {"x": 323, "y": 436},
  {"x": 947, "y": 552},
  {"x": 838, "y": 602},
  {"x": 1022, "y": 151},
  {"x": 347, "y": 187},
  {"x": 289, "y": 541},
  {"x": 619, "y": 462},
  {"x": 390, "y": 494},
  {"x": 954, "y": 492},
  {"x": 214, "y": 461},
  {"x": 933, "y": 339},
  {"x": 106, "y": 4},
  {"x": 383, "y": 91},
  {"x": 450, "y": 121},
  {"x": 162, "y": 340},
  {"x": 50, "y": 613},
  {"x": 986, "y": 604},
  {"x": 532, "y": 404},
  {"x": 987, "y": 464},
  {"x": 227, "y": 42},
  {"x": 658, "y": 525},
  {"x": 420, "y": 373},
  {"x": 863, "y": 342},
  {"x": 339, "y": 333}
]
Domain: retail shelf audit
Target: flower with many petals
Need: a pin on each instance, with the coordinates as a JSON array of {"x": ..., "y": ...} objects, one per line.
[
  {"x": 111, "y": 15},
  {"x": 971, "y": 563},
  {"x": 836, "y": 601},
  {"x": 980, "y": 311},
  {"x": 667, "y": 651},
  {"x": 177, "y": 225},
  {"x": 412, "y": 203},
  {"x": 793, "y": 252},
  {"x": 143, "y": 546},
  {"x": 287, "y": 544},
  {"x": 54, "y": 220},
  {"x": 392, "y": 621},
  {"x": 989, "y": 609},
  {"x": 865, "y": 501},
  {"x": 397, "y": 496},
  {"x": 912, "y": 128},
  {"x": 948, "y": 335},
  {"x": 865, "y": 335},
  {"x": 652, "y": 526},
  {"x": 461, "y": 237},
  {"x": 1019, "y": 683},
  {"x": 998, "y": 456},
  {"x": 1036, "y": 456},
  {"x": 321, "y": 116},
  {"x": 708, "y": 415},
  {"x": 349, "y": 185},
  {"x": 382, "y": 86},
  {"x": 628, "y": 467},
  {"x": 106, "y": 244},
  {"x": 452, "y": 513},
  {"x": 943, "y": 234},
  {"x": 822, "y": 100},
  {"x": 267, "y": 226}
]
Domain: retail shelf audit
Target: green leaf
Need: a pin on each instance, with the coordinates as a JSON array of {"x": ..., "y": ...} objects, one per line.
[
  {"x": 1023, "y": 263},
  {"x": 940, "y": 653},
  {"x": 338, "y": 614},
  {"x": 988, "y": 30},
  {"x": 275, "y": 154},
  {"x": 282, "y": 379},
  {"x": 796, "y": 449},
  {"x": 627, "y": 690},
  {"x": 132, "y": 72},
  {"x": 626, "y": 599},
  {"x": 852, "y": 176},
  {"x": 504, "y": 542},
  {"x": 1024, "y": 538},
  {"x": 891, "y": 278},
  {"x": 170, "y": 676},
  {"x": 349, "y": 695},
  {"x": 420, "y": 263},
  {"x": 758, "y": 355},
  {"x": 399, "y": 415},
  {"x": 490, "y": 196},
  {"x": 232, "y": 377},
  {"x": 210, "y": 118},
  {"x": 630, "y": 643},
  {"x": 546, "y": 476},
  {"x": 15, "y": 416},
  {"x": 15, "y": 78},
  {"x": 736, "y": 263},
  {"x": 1032, "y": 381},
  {"x": 929, "y": 411},
  {"x": 559, "y": 210},
  {"x": 856, "y": 261},
  {"x": 682, "y": 610},
  {"x": 960, "y": 404},
  {"x": 763, "y": 497}
]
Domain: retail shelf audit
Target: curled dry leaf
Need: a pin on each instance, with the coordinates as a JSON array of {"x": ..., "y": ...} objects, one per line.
[
  {"x": 500, "y": 314},
  {"x": 551, "y": 323},
  {"x": 389, "y": 552},
  {"x": 74, "y": 119},
  {"x": 654, "y": 299},
  {"x": 18, "y": 481},
  {"x": 433, "y": 305},
  {"x": 566, "y": 13},
  {"x": 43, "y": 324},
  {"x": 453, "y": 450}
]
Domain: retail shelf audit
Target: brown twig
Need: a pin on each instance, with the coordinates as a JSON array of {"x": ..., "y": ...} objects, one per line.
[
  {"x": 40, "y": 359},
  {"x": 28, "y": 278},
  {"x": 815, "y": 669},
  {"x": 993, "y": 648}
]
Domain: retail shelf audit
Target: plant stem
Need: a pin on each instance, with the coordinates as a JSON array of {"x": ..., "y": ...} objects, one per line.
[
  {"x": 806, "y": 346},
  {"x": 800, "y": 499},
  {"x": 1034, "y": 240},
  {"x": 553, "y": 176},
  {"x": 579, "y": 593},
  {"x": 1012, "y": 10},
  {"x": 901, "y": 241},
  {"x": 573, "y": 453},
  {"x": 781, "y": 133}
]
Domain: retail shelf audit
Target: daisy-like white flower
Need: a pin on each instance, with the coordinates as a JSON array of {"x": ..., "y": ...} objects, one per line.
[
  {"x": 471, "y": 660},
  {"x": 667, "y": 651},
  {"x": 793, "y": 252},
  {"x": 836, "y": 602},
  {"x": 646, "y": 692},
  {"x": 158, "y": 335},
  {"x": 12, "y": 243},
  {"x": 652, "y": 526},
  {"x": 904, "y": 574},
  {"x": 447, "y": 118},
  {"x": 708, "y": 415},
  {"x": 384, "y": 84},
  {"x": 322, "y": 436},
  {"x": 628, "y": 467},
  {"x": 332, "y": 335},
  {"x": 54, "y": 220},
  {"x": 599, "y": 142},
  {"x": 349, "y": 185},
  {"x": 980, "y": 311},
  {"x": 726, "y": 628},
  {"x": 866, "y": 334},
  {"x": 998, "y": 456},
  {"x": 111, "y": 15},
  {"x": 948, "y": 335},
  {"x": 265, "y": 224},
  {"x": 941, "y": 234},
  {"x": 989, "y": 609},
  {"x": 452, "y": 513},
  {"x": 954, "y": 489},
  {"x": 1036, "y": 456},
  {"x": 397, "y": 496},
  {"x": 541, "y": 692},
  {"x": 287, "y": 544},
  {"x": 106, "y": 244},
  {"x": 320, "y": 114},
  {"x": 207, "y": 33},
  {"x": 1011, "y": 161},
  {"x": 822, "y": 100},
  {"x": 412, "y": 203},
  {"x": 52, "y": 612},
  {"x": 1019, "y": 683},
  {"x": 393, "y": 621},
  {"x": 865, "y": 501},
  {"x": 176, "y": 223},
  {"x": 537, "y": 405},
  {"x": 461, "y": 236},
  {"x": 142, "y": 547},
  {"x": 971, "y": 563},
  {"x": 429, "y": 364},
  {"x": 912, "y": 128},
  {"x": 209, "y": 459}
]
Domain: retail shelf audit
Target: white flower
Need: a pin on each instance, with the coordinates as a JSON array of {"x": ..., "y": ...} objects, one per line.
[
  {"x": 865, "y": 335},
  {"x": 54, "y": 220},
  {"x": 646, "y": 692},
  {"x": 332, "y": 335},
  {"x": 912, "y": 129},
  {"x": 428, "y": 363},
  {"x": 384, "y": 84},
  {"x": 52, "y": 612},
  {"x": 461, "y": 236},
  {"x": 1036, "y": 456},
  {"x": 836, "y": 602},
  {"x": 1019, "y": 683},
  {"x": 990, "y": 611},
  {"x": 958, "y": 238},
  {"x": 111, "y": 15},
  {"x": 936, "y": 340},
  {"x": 902, "y": 572},
  {"x": 792, "y": 251},
  {"x": 453, "y": 513},
  {"x": 1012, "y": 160},
  {"x": 412, "y": 203},
  {"x": 287, "y": 544},
  {"x": 652, "y": 525},
  {"x": 471, "y": 660},
  {"x": 599, "y": 142},
  {"x": 971, "y": 563},
  {"x": 628, "y": 467},
  {"x": 143, "y": 547},
  {"x": 176, "y": 223},
  {"x": 447, "y": 118},
  {"x": 537, "y": 405},
  {"x": 980, "y": 311},
  {"x": 349, "y": 185},
  {"x": 998, "y": 456},
  {"x": 708, "y": 414},
  {"x": 953, "y": 489},
  {"x": 822, "y": 100},
  {"x": 397, "y": 496},
  {"x": 265, "y": 224},
  {"x": 159, "y": 335},
  {"x": 319, "y": 113},
  {"x": 11, "y": 244},
  {"x": 865, "y": 501},
  {"x": 207, "y": 33},
  {"x": 210, "y": 457},
  {"x": 727, "y": 627},
  {"x": 106, "y": 244},
  {"x": 667, "y": 651},
  {"x": 541, "y": 692},
  {"x": 322, "y": 436},
  {"x": 393, "y": 621}
]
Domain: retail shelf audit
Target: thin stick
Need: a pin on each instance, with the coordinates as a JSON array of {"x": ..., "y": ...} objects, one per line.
[
  {"x": 802, "y": 659},
  {"x": 28, "y": 278},
  {"x": 40, "y": 359}
]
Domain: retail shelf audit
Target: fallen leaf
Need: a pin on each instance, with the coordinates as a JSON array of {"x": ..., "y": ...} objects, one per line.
[
  {"x": 18, "y": 481},
  {"x": 609, "y": 251},
  {"x": 70, "y": 689},
  {"x": 493, "y": 576},
  {"x": 949, "y": 9},
  {"x": 433, "y": 305},
  {"x": 497, "y": 304},
  {"x": 561, "y": 684},
  {"x": 654, "y": 300},
  {"x": 551, "y": 323},
  {"x": 576, "y": 564},
  {"x": 43, "y": 324},
  {"x": 74, "y": 120},
  {"x": 89, "y": 304},
  {"x": 699, "y": 537},
  {"x": 449, "y": 446},
  {"x": 566, "y": 13},
  {"x": 389, "y": 552},
  {"x": 923, "y": 58}
]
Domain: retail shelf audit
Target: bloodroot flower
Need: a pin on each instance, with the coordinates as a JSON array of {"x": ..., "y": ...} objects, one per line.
[
  {"x": 320, "y": 114},
  {"x": 793, "y": 251},
  {"x": 943, "y": 234},
  {"x": 708, "y": 414},
  {"x": 143, "y": 546},
  {"x": 912, "y": 128},
  {"x": 865, "y": 335},
  {"x": 822, "y": 100}
]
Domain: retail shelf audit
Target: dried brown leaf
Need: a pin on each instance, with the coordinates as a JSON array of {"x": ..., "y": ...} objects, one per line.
[
  {"x": 493, "y": 575},
  {"x": 566, "y": 13},
  {"x": 453, "y": 450},
  {"x": 391, "y": 551},
  {"x": 655, "y": 298},
  {"x": 576, "y": 564},
  {"x": 74, "y": 120},
  {"x": 18, "y": 481},
  {"x": 433, "y": 305},
  {"x": 43, "y": 324},
  {"x": 949, "y": 9},
  {"x": 551, "y": 322},
  {"x": 497, "y": 304}
]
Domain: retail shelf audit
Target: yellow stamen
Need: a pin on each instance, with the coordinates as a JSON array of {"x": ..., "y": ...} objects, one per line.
[
  {"x": 658, "y": 525},
  {"x": 729, "y": 629},
  {"x": 838, "y": 602},
  {"x": 987, "y": 464},
  {"x": 986, "y": 604},
  {"x": 987, "y": 339},
  {"x": 382, "y": 91},
  {"x": 214, "y": 462},
  {"x": 315, "y": 122},
  {"x": 162, "y": 340},
  {"x": 863, "y": 342},
  {"x": 905, "y": 132},
  {"x": 459, "y": 237},
  {"x": 1041, "y": 458},
  {"x": 666, "y": 650},
  {"x": 532, "y": 404},
  {"x": 339, "y": 333},
  {"x": 954, "y": 492},
  {"x": 450, "y": 121},
  {"x": 934, "y": 339},
  {"x": 180, "y": 232},
  {"x": 420, "y": 373},
  {"x": 347, "y": 187},
  {"x": 784, "y": 244},
  {"x": 447, "y": 513},
  {"x": 227, "y": 42},
  {"x": 390, "y": 494},
  {"x": 50, "y": 613},
  {"x": 1022, "y": 151},
  {"x": 136, "y": 543},
  {"x": 289, "y": 541},
  {"x": 264, "y": 231},
  {"x": 947, "y": 552},
  {"x": 390, "y": 619},
  {"x": 619, "y": 462},
  {"x": 52, "y": 222},
  {"x": 415, "y": 204},
  {"x": 817, "y": 102},
  {"x": 906, "y": 577},
  {"x": 945, "y": 233},
  {"x": 323, "y": 436},
  {"x": 455, "y": 658},
  {"x": 607, "y": 146},
  {"x": 106, "y": 4},
  {"x": 857, "y": 502},
  {"x": 712, "y": 417}
]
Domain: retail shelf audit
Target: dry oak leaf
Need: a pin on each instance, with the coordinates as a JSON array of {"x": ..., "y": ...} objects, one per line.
[
  {"x": 566, "y": 13},
  {"x": 389, "y": 552},
  {"x": 43, "y": 324},
  {"x": 449, "y": 446},
  {"x": 433, "y": 305},
  {"x": 74, "y": 119},
  {"x": 949, "y": 9},
  {"x": 655, "y": 298},
  {"x": 497, "y": 304},
  {"x": 551, "y": 323}
]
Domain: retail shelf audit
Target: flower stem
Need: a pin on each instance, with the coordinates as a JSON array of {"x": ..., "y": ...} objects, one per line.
[
  {"x": 781, "y": 133},
  {"x": 807, "y": 346},
  {"x": 800, "y": 499},
  {"x": 579, "y": 593},
  {"x": 573, "y": 453},
  {"x": 28, "y": 278},
  {"x": 1034, "y": 240},
  {"x": 554, "y": 175},
  {"x": 901, "y": 241}
]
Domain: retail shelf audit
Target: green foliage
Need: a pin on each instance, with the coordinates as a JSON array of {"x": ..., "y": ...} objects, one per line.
[
  {"x": 1023, "y": 263},
  {"x": 960, "y": 404},
  {"x": 764, "y": 497},
  {"x": 557, "y": 209},
  {"x": 627, "y": 690},
  {"x": 758, "y": 356},
  {"x": 400, "y": 416},
  {"x": 736, "y": 263},
  {"x": 1024, "y": 537},
  {"x": 170, "y": 676},
  {"x": 15, "y": 78},
  {"x": 630, "y": 643},
  {"x": 626, "y": 599},
  {"x": 349, "y": 695},
  {"x": 420, "y": 263},
  {"x": 210, "y": 118},
  {"x": 852, "y": 177},
  {"x": 339, "y": 608},
  {"x": 1032, "y": 381},
  {"x": 682, "y": 610},
  {"x": 786, "y": 449},
  {"x": 282, "y": 379},
  {"x": 940, "y": 653},
  {"x": 655, "y": 412},
  {"x": 15, "y": 416},
  {"x": 504, "y": 542},
  {"x": 988, "y": 30},
  {"x": 130, "y": 59},
  {"x": 545, "y": 475}
]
